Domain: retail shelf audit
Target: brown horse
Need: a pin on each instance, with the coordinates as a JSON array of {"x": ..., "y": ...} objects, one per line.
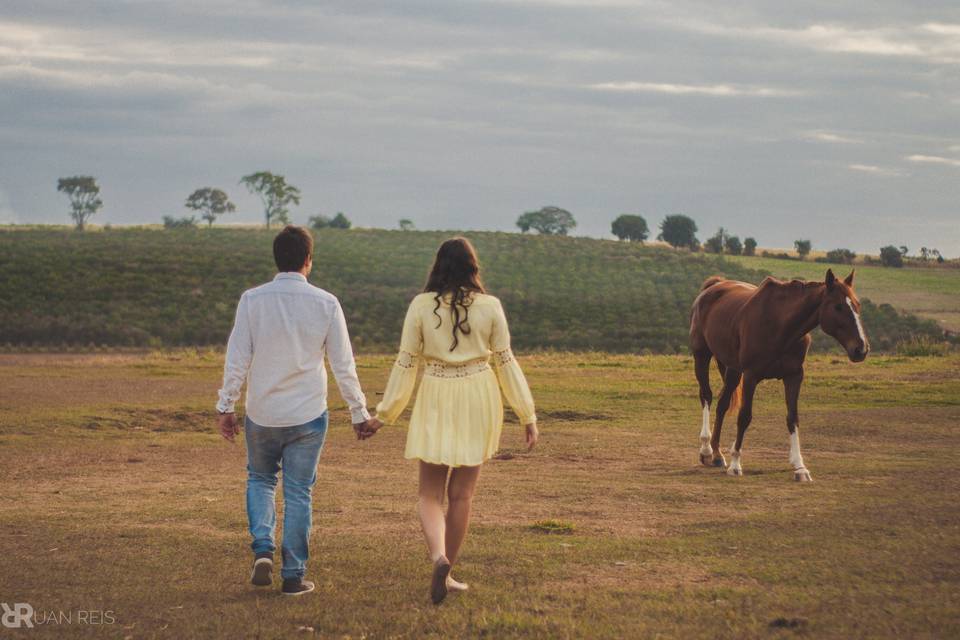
[{"x": 758, "y": 333}]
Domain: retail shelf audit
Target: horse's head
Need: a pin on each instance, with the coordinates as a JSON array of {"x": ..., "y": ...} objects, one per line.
[{"x": 840, "y": 317}]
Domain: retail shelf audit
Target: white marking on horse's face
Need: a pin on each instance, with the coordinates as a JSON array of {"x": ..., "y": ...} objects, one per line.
[{"x": 856, "y": 318}]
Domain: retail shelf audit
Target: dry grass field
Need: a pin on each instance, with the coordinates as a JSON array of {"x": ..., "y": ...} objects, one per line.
[{"x": 117, "y": 496}]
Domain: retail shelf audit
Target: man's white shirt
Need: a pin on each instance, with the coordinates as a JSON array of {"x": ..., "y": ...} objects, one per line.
[{"x": 281, "y": 333}]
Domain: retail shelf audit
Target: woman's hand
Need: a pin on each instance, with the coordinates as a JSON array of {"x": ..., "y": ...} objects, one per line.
[{"x": 532, "y": 436}]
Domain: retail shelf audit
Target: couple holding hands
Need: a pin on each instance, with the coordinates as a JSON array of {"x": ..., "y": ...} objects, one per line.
[{"x": 282, "y": 332}]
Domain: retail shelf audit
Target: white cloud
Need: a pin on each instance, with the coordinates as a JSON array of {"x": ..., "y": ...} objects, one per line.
[
  {"x": 874, "y": 169},
  {"x": 936, "y": 43},
  {"x": 826, "y": 136},
  {"x": 922, "y": 159},
  {"x": 724, "y": 90}
]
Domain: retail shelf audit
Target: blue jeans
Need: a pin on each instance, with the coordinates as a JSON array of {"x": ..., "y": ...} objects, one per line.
[{"x": 297, "y": 451}]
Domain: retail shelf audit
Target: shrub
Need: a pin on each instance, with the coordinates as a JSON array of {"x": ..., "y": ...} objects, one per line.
[
  {"x": 891, "y": 256},
  {"x": 714, "y": 244},
  {"x": 922, "y": 346},
  {"x": 779, "y": 256},
  {"x": 733, "y": 246},
  {"x": 319, "y": 221},
  {"x": 340, "y": 221},
  {"x": 169, "y": 222},
  {"x": 840, "y": 256}
]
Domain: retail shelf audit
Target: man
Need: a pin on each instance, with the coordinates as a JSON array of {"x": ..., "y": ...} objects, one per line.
[{"x": 281, "y": 333}]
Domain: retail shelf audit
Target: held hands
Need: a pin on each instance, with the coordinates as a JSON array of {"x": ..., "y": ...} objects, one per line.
[
  {"x": 229, "y": 428},
  {"x": 368, "y": 428},
  {"x": 532, "y": 435}
]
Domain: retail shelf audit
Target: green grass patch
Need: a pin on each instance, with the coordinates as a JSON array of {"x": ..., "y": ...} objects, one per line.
[{"x": 553, "y": 526}]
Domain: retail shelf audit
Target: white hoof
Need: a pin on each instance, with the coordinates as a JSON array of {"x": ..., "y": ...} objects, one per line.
[
  {"x": 705, "y": 449},
  {"x": 802, "y": 475},
  {"x": 706, "y": 452},
  {"x": 734, "y": 469}
]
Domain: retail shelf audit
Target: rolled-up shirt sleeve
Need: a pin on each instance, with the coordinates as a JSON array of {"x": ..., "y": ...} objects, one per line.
[
  {"x": 237, "y": 362},
  {"x": 340, "y": 356}
]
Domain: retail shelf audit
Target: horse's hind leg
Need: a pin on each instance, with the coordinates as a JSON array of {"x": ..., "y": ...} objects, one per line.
[
  {"x": 743, "y": 421},
  {"x": 731, "y": 379},
  {"x": 791, "y": 387},
  {"x": 701, "y": 361}
]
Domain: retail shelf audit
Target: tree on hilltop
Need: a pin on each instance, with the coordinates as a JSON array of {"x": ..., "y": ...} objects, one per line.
[
  {"x": 275, "y": 194},
  {"x": 715, "y": 243},
  {"x": 340, "y": 221},
  {"x": 548, "y": 221},
  {"x": 630, "y": 227},
  {"x": 84, "y": 194},
  {"x": 679, "y": 230},
  {"x": 210, "y": 203}
]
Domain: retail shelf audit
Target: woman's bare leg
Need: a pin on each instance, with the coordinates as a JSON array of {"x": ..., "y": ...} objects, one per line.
[
  {"x": 433, "y": 481},
  {"x": 463, "y": 482}
]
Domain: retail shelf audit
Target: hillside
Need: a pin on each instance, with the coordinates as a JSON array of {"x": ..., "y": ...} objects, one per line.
[{"x": 152, "y": 287}]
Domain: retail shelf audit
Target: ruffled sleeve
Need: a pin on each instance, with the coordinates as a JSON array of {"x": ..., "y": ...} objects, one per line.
[
  {"x": 403, "y": 376},
  {"x": 512, "y": 381}
]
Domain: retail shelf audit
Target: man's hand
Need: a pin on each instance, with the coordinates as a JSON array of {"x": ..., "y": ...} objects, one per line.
[
  {"x": 229, "y": 428},
  {"x": 532, "y": 436},
  {"x": 367, "y": 429}
]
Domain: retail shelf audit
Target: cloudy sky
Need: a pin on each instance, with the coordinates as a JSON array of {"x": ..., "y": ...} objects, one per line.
[{"x": 837, "y": 121}]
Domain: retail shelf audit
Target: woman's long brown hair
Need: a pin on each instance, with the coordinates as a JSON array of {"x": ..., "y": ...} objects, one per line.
[{"x": 455, "y": 272}]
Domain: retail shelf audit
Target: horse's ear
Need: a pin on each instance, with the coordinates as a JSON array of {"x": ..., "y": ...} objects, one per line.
[
  {"x": 849, "y": 279},
  {"x": 831, "y": 279}
]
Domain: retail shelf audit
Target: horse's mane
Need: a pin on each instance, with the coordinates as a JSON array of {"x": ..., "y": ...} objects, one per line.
[{"x": 796, "y": 283}]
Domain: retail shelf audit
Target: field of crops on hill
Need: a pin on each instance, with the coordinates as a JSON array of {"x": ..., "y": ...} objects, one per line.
[{"x": 150, "y": 287}]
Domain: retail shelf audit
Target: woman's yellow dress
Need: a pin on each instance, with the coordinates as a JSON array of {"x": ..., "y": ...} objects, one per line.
[{"x": 458, "y": 413}]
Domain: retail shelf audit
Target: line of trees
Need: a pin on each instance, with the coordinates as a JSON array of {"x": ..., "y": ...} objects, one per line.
[{"x": 277, "y": 196}]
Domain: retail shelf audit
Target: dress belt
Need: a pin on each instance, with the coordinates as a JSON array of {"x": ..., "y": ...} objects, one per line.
[{"x": 440, "y": 369}]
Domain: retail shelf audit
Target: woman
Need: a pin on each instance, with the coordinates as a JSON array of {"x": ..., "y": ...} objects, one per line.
[{"x": 455, "y": 328}]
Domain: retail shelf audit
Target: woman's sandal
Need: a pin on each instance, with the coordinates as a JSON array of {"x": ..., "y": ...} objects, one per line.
[{"x": 438, "y": 585}]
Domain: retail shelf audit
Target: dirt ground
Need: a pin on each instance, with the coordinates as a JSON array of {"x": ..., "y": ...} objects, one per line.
[{"x": 118, "y": 497}]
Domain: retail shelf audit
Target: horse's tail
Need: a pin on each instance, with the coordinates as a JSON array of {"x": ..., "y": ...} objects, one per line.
[
  {"x": 712, "y": 280},
  {"x": 736, "y": 399}
]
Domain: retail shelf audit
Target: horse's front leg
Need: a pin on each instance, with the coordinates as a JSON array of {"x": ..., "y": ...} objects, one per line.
[
  {"x": 731, "y": 379},
  {"x": 791, "y": 387},
  {"x": 743, "y": 421},
  {"x": 702, "y": 369}
]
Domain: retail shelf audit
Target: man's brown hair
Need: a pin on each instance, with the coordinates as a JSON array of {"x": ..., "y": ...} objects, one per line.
[{"x": 291, "y": 248}]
